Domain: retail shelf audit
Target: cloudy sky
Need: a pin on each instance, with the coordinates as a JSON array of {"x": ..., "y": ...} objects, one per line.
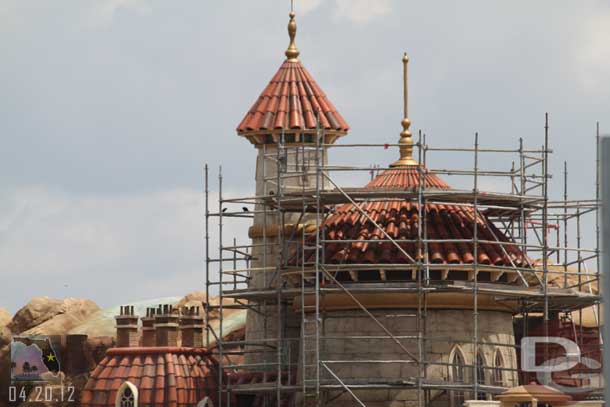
[{"x": 110, "y": 108}]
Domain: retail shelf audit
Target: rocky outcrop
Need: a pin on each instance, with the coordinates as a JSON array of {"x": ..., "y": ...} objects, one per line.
[
  {"x": 197, "y": 298},
  {"x": 5, "y": 317},
  {"x": 5, "y": 336},
  {"x": 72, "y": 314},
  {"x": 35, "y": 312},
  {"x": 102, "y": 323},
  {"x": 48, "y": 316},
  {"x": 5, "y": 374},
  {"x": 5, "y": 351}
]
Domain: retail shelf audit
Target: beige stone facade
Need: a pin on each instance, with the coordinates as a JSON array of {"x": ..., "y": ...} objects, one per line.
[
  {"x": 453, "y": 331},
  {"x": 263, "y": 324},
  {"x": 344, "y": 331}
]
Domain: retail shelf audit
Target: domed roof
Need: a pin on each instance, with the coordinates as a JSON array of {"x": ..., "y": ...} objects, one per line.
[
  {"x": 163, "y": 376},
  {"x": 400, "y": 220}
]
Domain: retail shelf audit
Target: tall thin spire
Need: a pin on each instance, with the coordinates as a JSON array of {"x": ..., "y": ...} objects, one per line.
[
  {"x": 406, "y": 139},
  {"x": 292, "y": 53}
]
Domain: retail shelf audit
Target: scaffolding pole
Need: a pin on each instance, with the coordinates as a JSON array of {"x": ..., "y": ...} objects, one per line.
[{"x": 526, "y": 211}]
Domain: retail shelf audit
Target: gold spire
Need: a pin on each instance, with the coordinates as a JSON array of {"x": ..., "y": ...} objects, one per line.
[
  {"x": 406, "y": 139},
  {"x": 292, "y": 53}
]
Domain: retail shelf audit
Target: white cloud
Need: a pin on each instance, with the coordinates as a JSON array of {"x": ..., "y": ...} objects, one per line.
[
  {"x": 102, "y": 12},
  {"x": 109, "y": 249},
  {"x": 593, "y": 55},
  {"x": 362, "y": 11},
  {"x": 306, "y": 6},
  {"x": 357, "y": 11}
]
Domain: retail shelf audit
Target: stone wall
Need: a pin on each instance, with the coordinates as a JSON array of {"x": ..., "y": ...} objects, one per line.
[
  {"x": 453, "y": 329},
  {"x": 264, "y": 324}
]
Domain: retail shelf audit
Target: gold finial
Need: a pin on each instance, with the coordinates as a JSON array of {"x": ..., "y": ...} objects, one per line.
[
  {"x": 292, "y": 53},
  {"x": 406, "y": 139}
]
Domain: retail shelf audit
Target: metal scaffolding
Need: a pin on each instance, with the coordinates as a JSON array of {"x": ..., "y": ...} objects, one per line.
[{"x": 558, "y": 279}]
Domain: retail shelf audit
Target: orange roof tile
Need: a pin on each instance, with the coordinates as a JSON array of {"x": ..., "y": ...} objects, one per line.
[
  {"x": 169, "y": 376},
  {"x": 406, "y": 178},
  {"x": 291, "y": 102},
  {"x": 399, "y": 219}
]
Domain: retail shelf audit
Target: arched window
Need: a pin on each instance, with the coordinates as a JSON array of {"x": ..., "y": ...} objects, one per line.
[
  {"x": 458, "y": 367},
  {"x": 458, "y": 376},
  {"x": 127, "y": 395},
  {"x": 498, "y": 366},
  {"x": 480, "y": 366}
]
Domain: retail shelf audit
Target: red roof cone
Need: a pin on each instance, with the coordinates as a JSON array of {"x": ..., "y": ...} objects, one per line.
[{"x": 291, "y": 103}]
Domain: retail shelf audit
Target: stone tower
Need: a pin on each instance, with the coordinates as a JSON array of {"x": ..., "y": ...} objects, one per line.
[{"x": 293, "y": 109}]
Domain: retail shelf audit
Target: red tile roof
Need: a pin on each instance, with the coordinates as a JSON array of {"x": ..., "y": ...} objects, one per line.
[
  {"x": 164, "y": 376},
  {"x": 399, "y": 219},
  {"x": 406, "y": 178},
  {"x": 291, "y": 102}
]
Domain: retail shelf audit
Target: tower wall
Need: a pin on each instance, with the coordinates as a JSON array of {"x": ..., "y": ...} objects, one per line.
[{"x": 267, "y": 245}]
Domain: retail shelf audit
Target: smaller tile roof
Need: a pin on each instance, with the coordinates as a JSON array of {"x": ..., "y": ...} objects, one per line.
[
  {"x": 164, "y": 377},
  {"x": 406, "y": 178},
  {"x": 291, "y": 102}
]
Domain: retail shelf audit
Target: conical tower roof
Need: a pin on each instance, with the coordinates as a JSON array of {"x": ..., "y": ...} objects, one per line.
[{"x": 291, "y": 103}]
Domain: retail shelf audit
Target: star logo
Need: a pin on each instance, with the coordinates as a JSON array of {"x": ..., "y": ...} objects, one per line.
[{"x": 50, "y": 357}]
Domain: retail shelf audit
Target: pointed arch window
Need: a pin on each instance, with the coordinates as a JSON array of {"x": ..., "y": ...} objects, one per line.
[
  {"x": 498, "y": 369},
  {"x": 458, "y": 367},
  {"x": 127, "y": 395},
  {"x": 458, "y": 376},
  {"x": 480, "y": 366},
  {"x": 480, "y": 369}
]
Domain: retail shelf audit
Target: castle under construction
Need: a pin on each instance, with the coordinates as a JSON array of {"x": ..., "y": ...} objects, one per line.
[{"x": 400, "y": 291}]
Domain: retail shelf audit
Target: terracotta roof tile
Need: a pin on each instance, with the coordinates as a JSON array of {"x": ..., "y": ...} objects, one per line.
[
  {"x": 406, "y": 178},
  {"x": 290, "y": 102},
  {"x": 145, "y": 396},
  {"x": 170, "y": 377},
  {"x": 399, "y": 219},
  {"x": 136, "y": 368},
  {"x": 99, "y": 398}
]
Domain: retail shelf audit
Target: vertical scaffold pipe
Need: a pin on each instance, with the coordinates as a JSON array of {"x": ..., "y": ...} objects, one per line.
[{"x": 605, "y": 193}]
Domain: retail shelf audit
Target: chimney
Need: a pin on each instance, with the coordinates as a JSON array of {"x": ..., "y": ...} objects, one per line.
[
  {"x": 126, "y": 328},
  {"x": 76, "y": 358},
  {"x": 148, "y": 328},
  {"x": 166, "y": 326},
  {"x": 191, "y": 327}
]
